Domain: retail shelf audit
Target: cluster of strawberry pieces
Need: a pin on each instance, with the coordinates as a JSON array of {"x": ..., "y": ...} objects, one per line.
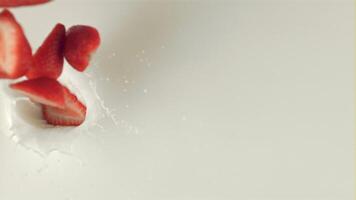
[{"x": 60, "y": 107}]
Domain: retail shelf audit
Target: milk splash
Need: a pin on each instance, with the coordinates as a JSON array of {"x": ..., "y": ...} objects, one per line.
[{"x": 21, "y": 119}]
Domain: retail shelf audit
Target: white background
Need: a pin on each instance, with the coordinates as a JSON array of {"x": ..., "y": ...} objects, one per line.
[{"x": 248, "y": 100}]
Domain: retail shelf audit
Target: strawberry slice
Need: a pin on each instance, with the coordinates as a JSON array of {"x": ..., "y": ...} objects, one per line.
[
  {"x": 42, "y": 90},
  {"x": 17, "y": 3},
  {"x": 73, "y": 114},
  {"x": 15, "y": 51},
  {"x": 48, "y": 59},
  {"x": 81, "y": 42}
]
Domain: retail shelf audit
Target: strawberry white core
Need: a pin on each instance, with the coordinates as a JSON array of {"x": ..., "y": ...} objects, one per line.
[
  {"x": 8, "y": 47},
  {"x": 40, "y": 100}
]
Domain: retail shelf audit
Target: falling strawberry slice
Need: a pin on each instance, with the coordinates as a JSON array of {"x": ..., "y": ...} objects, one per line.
[
  {"x": 73, "y": 114},
  {"x": 81, "y": 43},
  {"x": 17, "y": 3},
  {"x": 60, "y": 107},
  {"x": 15, "y": 51},
  {"x": 42, "y": 90},
  {"x": 48, "y": 60}
]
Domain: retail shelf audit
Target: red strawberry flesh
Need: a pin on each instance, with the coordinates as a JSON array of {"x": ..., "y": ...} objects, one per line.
[
  {"x": 81, "y": 42},
  {"x": 15, "y": 51},
  {"x": 73, "y": 114},
  {"x": 17, "y": 3},
  {"x": 48, "y": 59},
  {"x": 43, "y": 90}
]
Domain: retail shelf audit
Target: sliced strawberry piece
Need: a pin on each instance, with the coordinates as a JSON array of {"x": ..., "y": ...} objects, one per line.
[
  {"x": 42, "y": 90},
  {"x": 81, "y": 43},
  {"x": 17, "y": 3},
  {"x": 48, "y": 60},
  {"x": 15, "y": 51},
  {"x": 73, "y": 114}
]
